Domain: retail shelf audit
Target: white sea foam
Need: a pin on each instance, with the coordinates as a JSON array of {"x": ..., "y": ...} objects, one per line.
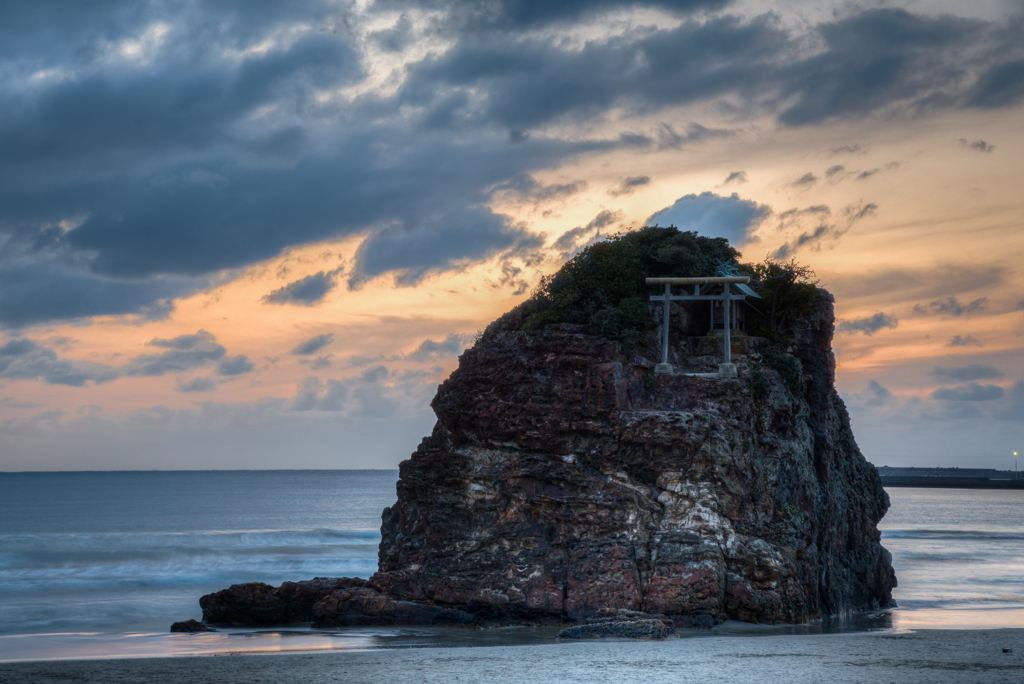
[{"x": 94, "y": 560}]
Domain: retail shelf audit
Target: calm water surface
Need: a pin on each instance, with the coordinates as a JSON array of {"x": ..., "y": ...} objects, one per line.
[
  {"x": 959, "y": 556},
  {"x": 100, "y": 564}
]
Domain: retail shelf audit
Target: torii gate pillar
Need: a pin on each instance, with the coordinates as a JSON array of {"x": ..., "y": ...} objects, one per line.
[{"x": 726, "y": 369}]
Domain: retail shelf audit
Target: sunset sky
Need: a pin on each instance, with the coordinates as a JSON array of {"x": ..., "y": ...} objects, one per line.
[{"x": 258, "y": 234}]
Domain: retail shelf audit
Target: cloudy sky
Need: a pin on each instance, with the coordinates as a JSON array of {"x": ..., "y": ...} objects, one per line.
[{"x": 246, "y": 234}]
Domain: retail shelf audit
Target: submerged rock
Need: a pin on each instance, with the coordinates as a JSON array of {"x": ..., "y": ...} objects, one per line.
[
  {"x": 623, "y": 629},
  {"x": 564, "y": 478},
  {"x": 191, "y": 626}
]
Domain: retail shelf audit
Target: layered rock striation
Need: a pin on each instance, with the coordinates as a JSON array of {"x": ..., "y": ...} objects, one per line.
[{"x": 564, "y": 479}]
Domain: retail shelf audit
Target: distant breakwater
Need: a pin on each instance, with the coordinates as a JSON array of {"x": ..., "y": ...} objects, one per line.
[{"x": 955, "y": 478}]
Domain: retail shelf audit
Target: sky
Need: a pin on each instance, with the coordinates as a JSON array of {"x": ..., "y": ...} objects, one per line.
[{"x": 258, "y": 234}]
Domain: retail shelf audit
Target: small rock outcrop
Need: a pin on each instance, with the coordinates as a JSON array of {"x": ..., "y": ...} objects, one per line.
[
  {"x": 256, "y": 603},
  {"x": 191, "y": 626},
  {"x": 564, "y": 478}
]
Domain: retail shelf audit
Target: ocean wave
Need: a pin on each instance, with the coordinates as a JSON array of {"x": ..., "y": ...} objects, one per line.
[
  {"x": 86, "y": 562},
  {"x": 204, "y": 537}
]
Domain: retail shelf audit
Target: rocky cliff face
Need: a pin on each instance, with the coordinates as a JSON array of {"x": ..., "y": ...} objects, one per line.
[
  {"x": 564, "y": 477},
  {"x": 564, "y": 480}
]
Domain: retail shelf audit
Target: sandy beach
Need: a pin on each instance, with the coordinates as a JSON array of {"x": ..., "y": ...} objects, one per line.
[{"x": 878, "y": 657}]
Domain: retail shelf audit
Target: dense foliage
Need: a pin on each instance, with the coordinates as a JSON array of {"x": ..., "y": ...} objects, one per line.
[
  {"x": 603, "y": 286},
  {"x": 787, "y": 292}
]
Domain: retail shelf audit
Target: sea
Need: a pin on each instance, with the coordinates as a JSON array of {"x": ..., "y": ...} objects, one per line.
[{"x": 99, "y": 564}]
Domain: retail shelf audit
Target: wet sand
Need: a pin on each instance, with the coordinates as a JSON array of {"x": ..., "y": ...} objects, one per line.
[{"x": 877, "y": 657}]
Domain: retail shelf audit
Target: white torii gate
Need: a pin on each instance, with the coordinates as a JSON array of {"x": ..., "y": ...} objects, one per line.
[{"x": 727, "y": 369}]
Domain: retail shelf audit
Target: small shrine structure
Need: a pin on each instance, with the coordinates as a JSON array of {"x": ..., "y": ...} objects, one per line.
[{"x": 722, "y": 292}]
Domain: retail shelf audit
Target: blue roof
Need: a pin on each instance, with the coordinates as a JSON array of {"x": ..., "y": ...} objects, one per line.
[{"x": 727, "y": 269}]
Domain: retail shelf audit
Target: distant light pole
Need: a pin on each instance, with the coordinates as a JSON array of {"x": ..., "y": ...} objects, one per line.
[{"x": 1014, "y": 465}]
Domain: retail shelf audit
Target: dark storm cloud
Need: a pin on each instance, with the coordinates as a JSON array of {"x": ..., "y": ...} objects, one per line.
[
  {"x": 236, "y": 365},
  {"x": 977, "y": 145},
  {"x": 314, "y": 395},
  {"x": 629, "y": 185},
  {"x": 951, "y": 306},
  {"x": 526, "y": 188},
  {"x": 197, "y": 385},
  {"x": 134, "y": 171},
  {"x": 182, "y": 194},
  {"x": 517, "y": 15},
  {"x": 427, "y": 351},
  {"x": 438, "y": 243},
  {"x": 795, "y": 216},
  {"x": 319, "y": 363},
  {"x": 570, "y": 238},
  {"x": 871, "y": 60},
  {"x": 964, "y": 341},
  {"x": 16, "y": 348},
  {"x": 187, "y": 352},
  {"x": 182, "y": 102},
  {"x": 522, "y": 83},
  {"x": 374, "y": 397},
  {"x": 846, "y": 149},
  {"x": 511, "y": 276},
  {"x": 374, "y": 375},
  {"x": 23, "y": 359},
  {"x": 856, "y": 212},
  {"x": 1001, "y": 86},
  {"x": 875, "y": 59},
  {"x": 38, "y": 292},
  {"x": 868, "y": 325},
  {"x": 430, "y": 350},
  {"x": 306, "y": 291},
  {"x": 735, "y": 177},
  {"x": 83, "y": 28},
  {"x": 805, "y": 180},
  {"x": 394, "y": 38},
  {"x": 184, "y": 352},
  {"x": 828, "y": 230},
  {"x": 970, "y": 392},
  {"x": 1013, "y": 408},
  {"x": 198, "y": 340},
  {"x": 875, "y": 394},
  {"x": 695, "y": 133},
  {"x": 573, "y": 238},
  {"x": 812, "y": 238},
  {"x": 975, "y": 371},
  {"x": 313, "y": 344}
]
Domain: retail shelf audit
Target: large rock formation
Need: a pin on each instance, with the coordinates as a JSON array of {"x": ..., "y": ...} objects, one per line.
[{"x": 564, "y": 478}]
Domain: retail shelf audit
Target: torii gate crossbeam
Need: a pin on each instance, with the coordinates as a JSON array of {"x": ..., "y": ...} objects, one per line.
[{"x": 726, "y": 369}]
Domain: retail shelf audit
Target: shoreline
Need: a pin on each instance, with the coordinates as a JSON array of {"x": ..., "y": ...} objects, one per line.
[
  {"x": 142, "y": 643},
  {"x": 909, "y": 657}
]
